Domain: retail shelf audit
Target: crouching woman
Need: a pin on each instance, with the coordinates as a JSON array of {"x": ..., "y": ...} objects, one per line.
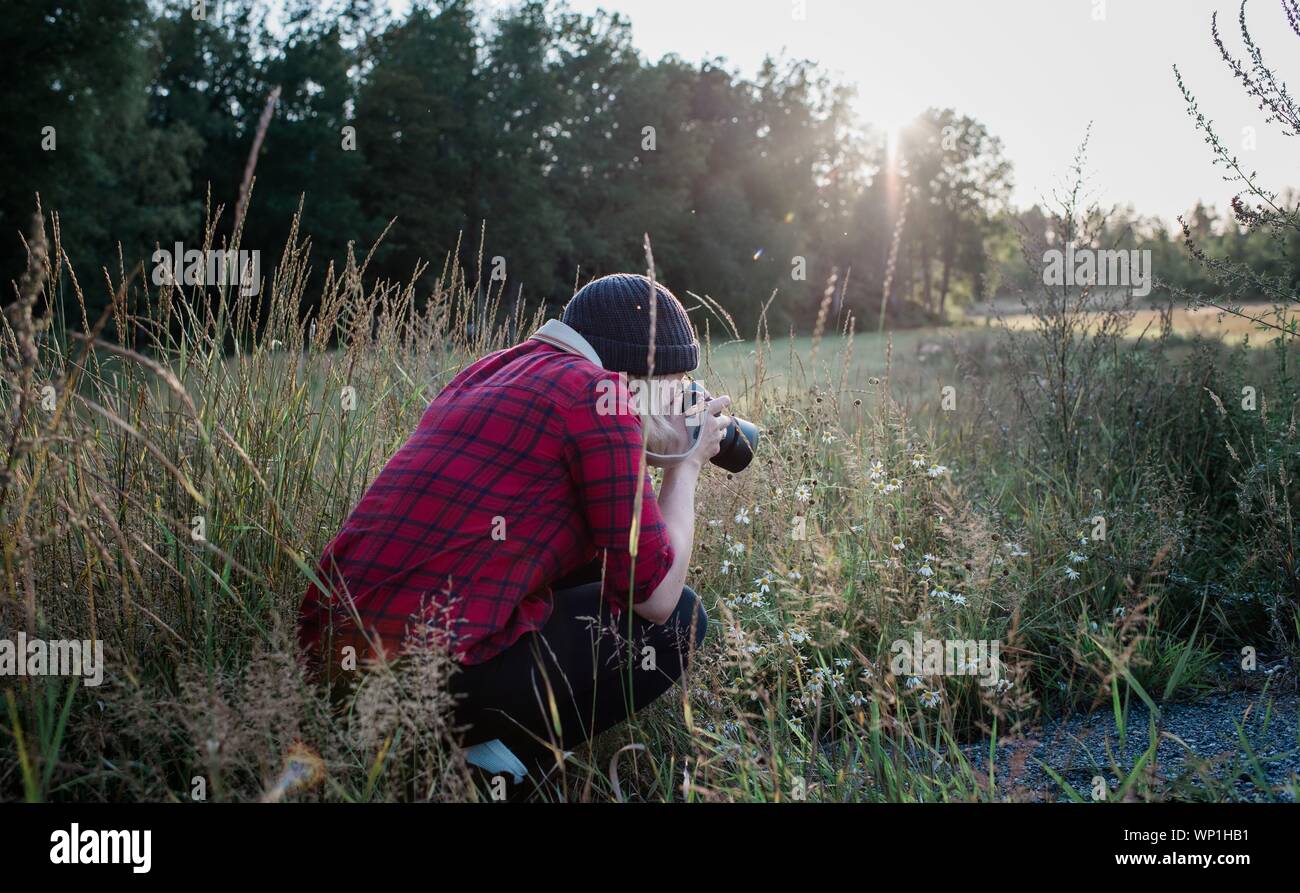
[{"x": 509, "y": 513}]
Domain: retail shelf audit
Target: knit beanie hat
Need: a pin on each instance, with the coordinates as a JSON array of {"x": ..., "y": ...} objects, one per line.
[{"x": 613, "y": 314}]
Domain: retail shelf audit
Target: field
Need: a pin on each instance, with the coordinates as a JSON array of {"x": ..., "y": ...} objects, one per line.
[{"x": 169, "y": 490}]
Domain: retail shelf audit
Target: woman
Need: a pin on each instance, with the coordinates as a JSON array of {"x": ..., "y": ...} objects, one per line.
[{"x": 508, "y": 515}]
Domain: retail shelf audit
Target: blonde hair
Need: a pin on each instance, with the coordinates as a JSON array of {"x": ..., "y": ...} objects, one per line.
[{"x": 657, "y": 430}]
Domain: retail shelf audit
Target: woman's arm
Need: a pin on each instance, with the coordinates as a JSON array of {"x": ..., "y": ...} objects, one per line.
[{"x": 677, "y": 505}]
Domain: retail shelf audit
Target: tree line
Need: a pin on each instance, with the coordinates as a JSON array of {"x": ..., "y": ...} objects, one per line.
[{"x": 536, "y": 137}]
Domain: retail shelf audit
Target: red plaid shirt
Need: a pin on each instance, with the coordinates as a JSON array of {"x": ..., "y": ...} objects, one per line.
[{"x": 511, "y": 481}]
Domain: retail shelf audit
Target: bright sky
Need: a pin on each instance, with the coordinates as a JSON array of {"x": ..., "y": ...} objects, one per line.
[{"x": 1034, "y": 71}]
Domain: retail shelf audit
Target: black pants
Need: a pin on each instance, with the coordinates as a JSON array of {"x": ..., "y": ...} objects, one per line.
[{"x": 575, "y": 668}]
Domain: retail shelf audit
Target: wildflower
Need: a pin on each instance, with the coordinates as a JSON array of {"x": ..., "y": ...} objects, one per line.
[
  {"x": 928, "y": 558},
  {"x": 1071, "y": 574},
  {"x": 1004, "y": 684},
  {"x": 918, "y": 461},
  {"x": 856, "y": 699},
  {"x": 958, "y": 599},
  {"x": 930, "y": 699},
  {"x": 913, "y": 682},
  {"x": 828, "y": 437},
  {"x": 842, "y": 661},
  {"x": 764, "y": 583},
  {"x": 925, "y": 571},
  {"x": 936, "y": 470},
  {"x": 726, "y": 566},
  {"x": 742, "y": 516},
  {"x": 736, "y": 548},
  {"x": 837, "y": 679},
  {"x": 877, "y": 470},
  {"x": 1017, "y": 551},
  {"x": 715, "y": 522},
  {"x": 795, "y": 575},
  {"x": 803, "y": 493},
  {"x": 898, "y": 545},
  {"x": 1076, "y": 558}
]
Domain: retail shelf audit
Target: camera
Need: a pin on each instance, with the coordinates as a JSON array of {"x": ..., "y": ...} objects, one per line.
[{"x": 739, "y": 442}]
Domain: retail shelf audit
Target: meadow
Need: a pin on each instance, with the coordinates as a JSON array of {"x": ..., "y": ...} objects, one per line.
[{"x": 1112, "y": 511}]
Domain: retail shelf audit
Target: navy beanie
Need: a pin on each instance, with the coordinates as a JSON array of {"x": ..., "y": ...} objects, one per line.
[{"x": 613, "y": 314}]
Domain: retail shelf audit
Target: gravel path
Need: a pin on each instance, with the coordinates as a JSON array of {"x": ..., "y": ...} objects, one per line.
[{"x": 1197, "y": 740}]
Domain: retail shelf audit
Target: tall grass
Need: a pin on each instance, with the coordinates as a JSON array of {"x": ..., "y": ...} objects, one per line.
[{"x": 174, "y": 468}]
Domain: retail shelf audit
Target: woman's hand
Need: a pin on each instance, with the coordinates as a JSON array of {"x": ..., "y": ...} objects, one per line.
[{"x": 713, "y": 428}]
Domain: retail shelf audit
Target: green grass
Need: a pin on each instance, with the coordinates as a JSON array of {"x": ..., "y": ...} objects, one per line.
[{"x": 205, "y": 414}]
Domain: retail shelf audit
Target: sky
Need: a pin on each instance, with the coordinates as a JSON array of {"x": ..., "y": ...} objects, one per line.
[{"x": 1035, "y": 72}]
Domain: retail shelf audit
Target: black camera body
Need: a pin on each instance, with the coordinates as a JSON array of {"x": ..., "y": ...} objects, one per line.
[{"x": 739, "y": 442}]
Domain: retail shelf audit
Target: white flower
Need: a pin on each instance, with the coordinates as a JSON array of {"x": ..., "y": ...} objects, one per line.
[
  {"x": 736, "y": 548},
  {"x": 925, "y": 571},
  {"x": 1076, "y": 558},
  {"x": 856, "y": 699},
  {"x": 1071, "y": 574},
  {"x": 726, "y": 566},
  {"x": 936, "y": 470},
  {"x": 742, "y": 516},
  {"x": 713, "y": 522},
  {"x": 828, "y": 437},
  {"x": 764, "y": 583},
  {"x": 930, "y": 699},
  {"x": 803, "y": 493},
  {"x": 898, "y": 545},
  {"x": 918, "y": 460},
  {"x": 877, "y": 470},
  {"x": 842, "y": 661},
  {"x": 929, "y": 559},
  {"x": 1017, "y": 551},
  {"x": 913, "y": 681},
  {"x": 958, "y": 599},
  {"x": 795, "y": 575}
]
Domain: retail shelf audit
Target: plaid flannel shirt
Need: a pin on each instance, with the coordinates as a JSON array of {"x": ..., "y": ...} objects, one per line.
[{"x": 512, "y": 480}]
